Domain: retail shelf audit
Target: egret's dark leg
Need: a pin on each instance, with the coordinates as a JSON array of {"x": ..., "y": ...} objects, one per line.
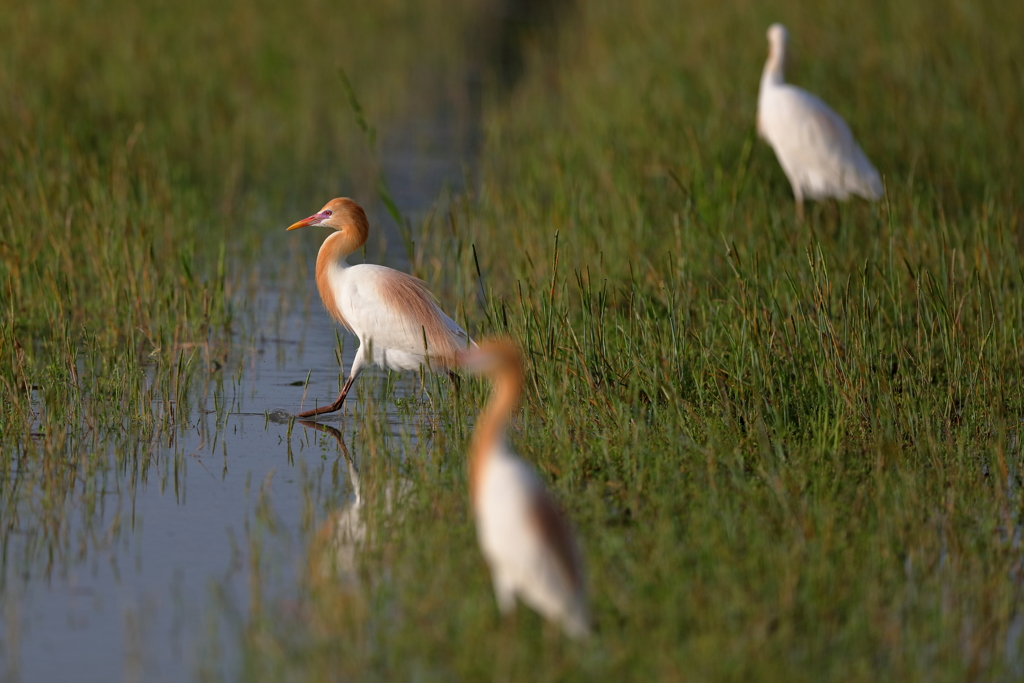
[
  {"x": 456, "y": 380},
  {"x": 334, "y": 406},
  {"x": 798, "y": 196}
]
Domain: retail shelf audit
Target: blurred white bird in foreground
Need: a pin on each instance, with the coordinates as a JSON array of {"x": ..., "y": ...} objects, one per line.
[
  {"x": 813, "y": 144},
  {"x": 526, "y": 541}
]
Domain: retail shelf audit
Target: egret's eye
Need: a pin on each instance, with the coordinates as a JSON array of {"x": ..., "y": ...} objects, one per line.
[{"x": 328, "y": 213}]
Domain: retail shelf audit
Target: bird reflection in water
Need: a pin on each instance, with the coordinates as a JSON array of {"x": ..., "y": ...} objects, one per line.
[{"x": 333, "y": 571}]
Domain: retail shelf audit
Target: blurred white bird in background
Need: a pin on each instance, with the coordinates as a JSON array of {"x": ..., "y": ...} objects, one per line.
[{"x": 813, "y": 144}]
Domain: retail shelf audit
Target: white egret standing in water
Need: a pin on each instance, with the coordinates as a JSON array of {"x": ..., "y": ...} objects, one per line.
[{"x": 391, "y": 313}]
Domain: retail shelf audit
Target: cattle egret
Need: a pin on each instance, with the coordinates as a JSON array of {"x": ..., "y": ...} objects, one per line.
[
  {"x": 813, "y": 144},
  {"x": 525, "y": 540},
  {"x": 394, "y": 316}
]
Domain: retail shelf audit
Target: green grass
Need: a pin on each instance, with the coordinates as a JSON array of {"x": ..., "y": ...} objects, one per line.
[
  {"x": 146, "y": 151},
  {"x": 791, "y": 453}
]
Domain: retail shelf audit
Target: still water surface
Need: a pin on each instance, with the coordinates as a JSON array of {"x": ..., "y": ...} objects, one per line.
[{"x": 144, "y": 595}]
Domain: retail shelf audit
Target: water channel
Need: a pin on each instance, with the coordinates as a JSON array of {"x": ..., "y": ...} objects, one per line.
[
  {"x": 169, "y": 545},
  {"x": 154, "y": 574}
]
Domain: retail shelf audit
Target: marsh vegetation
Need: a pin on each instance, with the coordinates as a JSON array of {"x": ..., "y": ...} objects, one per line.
[{"x": 790, "y": 452}]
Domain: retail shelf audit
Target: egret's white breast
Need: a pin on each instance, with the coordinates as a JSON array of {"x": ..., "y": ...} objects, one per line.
[
  {"x": 503, "y": 510},
  {"x": 385, "y": 336}
]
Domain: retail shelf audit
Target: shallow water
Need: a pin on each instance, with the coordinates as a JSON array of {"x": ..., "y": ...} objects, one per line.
[
  {"x": 165, "y": 559},
  {"x": 156, "y": 563},
  {"x": 133, "y": 604}
]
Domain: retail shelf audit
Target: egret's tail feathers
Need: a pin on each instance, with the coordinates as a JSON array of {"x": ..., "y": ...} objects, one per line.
[{"x": 872, "y": 186}]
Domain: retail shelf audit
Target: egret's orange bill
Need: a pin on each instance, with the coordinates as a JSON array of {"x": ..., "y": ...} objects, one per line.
[
  {"x": 303, "y": 223},
  {"x": 312, "y": 220}
]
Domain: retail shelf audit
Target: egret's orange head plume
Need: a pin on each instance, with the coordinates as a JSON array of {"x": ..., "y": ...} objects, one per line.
[
  {"x": 341, "y": 214},
  {"x": 493, "y": 357}
]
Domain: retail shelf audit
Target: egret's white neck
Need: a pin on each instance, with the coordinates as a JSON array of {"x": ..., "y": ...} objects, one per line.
[{"x": 773, "y": 68}]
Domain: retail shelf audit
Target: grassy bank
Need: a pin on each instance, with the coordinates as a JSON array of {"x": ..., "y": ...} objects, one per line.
[{"x": 791, "y": 453}]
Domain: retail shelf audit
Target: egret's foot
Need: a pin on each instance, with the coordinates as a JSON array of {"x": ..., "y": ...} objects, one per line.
[
  {"x": 279, "y": 416},
  {"x": 455, "y": 380}
]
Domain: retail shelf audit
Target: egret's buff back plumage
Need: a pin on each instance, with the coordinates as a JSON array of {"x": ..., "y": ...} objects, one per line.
[
  {"x": 549, "y": 523},
  {"x": 410, "y": 296}
]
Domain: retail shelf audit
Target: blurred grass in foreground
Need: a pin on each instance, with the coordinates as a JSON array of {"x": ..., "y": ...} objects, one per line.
[{"x": 792, "y": 453}]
